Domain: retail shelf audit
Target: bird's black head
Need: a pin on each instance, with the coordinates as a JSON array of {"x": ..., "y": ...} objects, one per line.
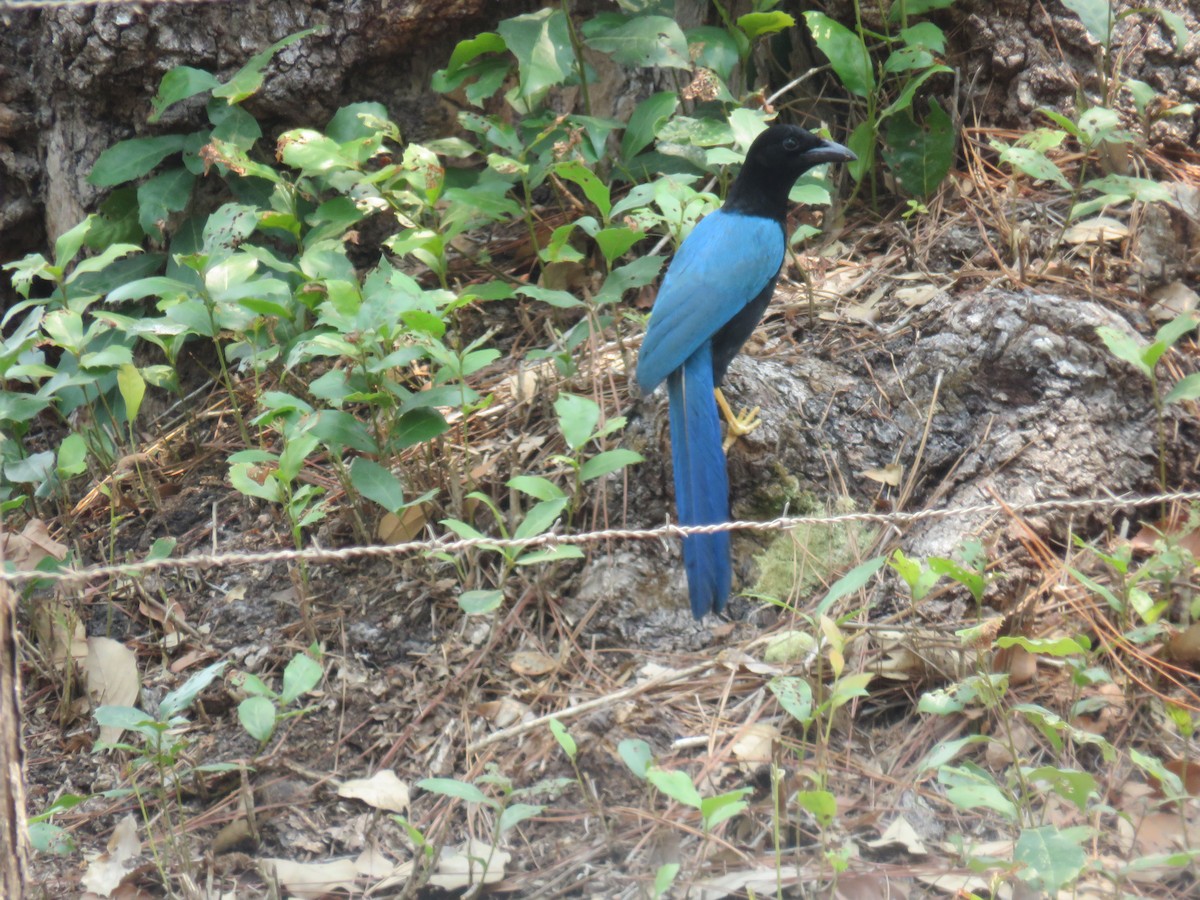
[{"x": 779, "y": 156}]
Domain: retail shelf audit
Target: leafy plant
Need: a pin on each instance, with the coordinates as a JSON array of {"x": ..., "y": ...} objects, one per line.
[
  {"x": 918, "y": 151},
  {"x": 259, "y": 713}
]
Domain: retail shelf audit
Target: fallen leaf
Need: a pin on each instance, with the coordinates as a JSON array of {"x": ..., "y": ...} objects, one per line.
[
  {"x": 312, "y": 881},
  {"x": 106, "y": 871},
  {"x": 900, "y": 834},
  {"x": 532, "y": 662},
  {"x": 405, "y": 527},
  {"x": 383, "y": 790},
  {"x": 111, "y": 673},
  {"x": 463, "y": 866},
  {"x": 1097, "y": 230},
  {"x": 1173, "y": 301},
  {"x": 889, "y": 474},
  {"x": 755, "y": 744}
]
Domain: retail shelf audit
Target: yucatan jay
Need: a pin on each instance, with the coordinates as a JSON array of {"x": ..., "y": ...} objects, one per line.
[{"x": 712, "y": 297}]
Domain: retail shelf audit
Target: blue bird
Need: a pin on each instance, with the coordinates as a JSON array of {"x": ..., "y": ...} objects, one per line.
[{"x": 712, "y": 297}]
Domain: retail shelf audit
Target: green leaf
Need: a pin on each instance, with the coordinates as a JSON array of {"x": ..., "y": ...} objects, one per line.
[
  {"x": 1051, "y": 859},
  {"x": 920, "y": 154},
  {"x": 162, "y": 195},
  {"x": 636, "y": 754},
  {"x": 515, "y": 814},
  {"x": 639, "y": 41},
  {"x": 133, "y": 158},
  {"x": 417, "y": 426},
  {"x": 377, "y": 483},
  {"x": 675, "y": 784},
  {"x": 301, "y": 675},
  {"x": 924, "y": 34},
  {"x": 540, "y": 518},
  {"x": 715, "y": 810},
  {"x": 1097, "y": 17},
  {"x": 541, "y": 43},
  {"x": 564, "y": 739},
  {"x": 1063, "y": 646},
  {"x": 904, "y": 100},
  {"x": 249, "y": 78},
  {"x": 644, "y": 122},
  {"x": 593, "y": 188},
  {"x": 970, "y": 787},
  {"x": 257, "y": 715},
  {"x": 1186, "y": 388},
  {"x": 1125, "y": 346},
  {"x": 178, "y": 84},
  {"x": 1034, "y": 164},
  {"x": 1070, "y": 784},
  {"x": 822, "y": 805},
  {"x": 756, "y": 24},
  {"x": 946, "y": 751},
  {"x": 607, "y": 462},
  {"x": 714, "y": 48},
  {"x": 847, "y": 54},
  {"x": 460, "y": 790},
  {"x": 181, "y": 698},
  {"x": 914, "y": 8},
  {"x": 348, "y": 123},
  {"x": 577, "y": 418},
  {"x": 478, "y": 603},
  {"x": 795, "y": 696},
  {"x": 537, "y": 487},
  {"x": 70, "y": 242},
  {"x": 615, "y": 242},
  {"x": 462, "y": 64},
  {"x": 72, "y": 455},
  {"x": 664, "y": 877},
  {"x": 132, "y": 387},
  {"x": 854, "y": 580}
]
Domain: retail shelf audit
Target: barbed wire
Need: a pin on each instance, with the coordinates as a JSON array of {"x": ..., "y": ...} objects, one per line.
[
  {"x": 445, "y": 544},
  {"x": 7, "y": 5}
]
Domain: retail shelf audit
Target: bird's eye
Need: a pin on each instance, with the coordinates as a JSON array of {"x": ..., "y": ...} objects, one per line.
[{"x": 791, "y": 145}]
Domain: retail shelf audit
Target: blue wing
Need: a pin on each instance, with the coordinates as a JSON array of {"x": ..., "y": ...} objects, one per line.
[{"x": 723, "y": 264}]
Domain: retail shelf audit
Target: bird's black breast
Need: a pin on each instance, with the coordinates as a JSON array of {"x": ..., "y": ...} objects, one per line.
[{"x": 728, "y": 341}]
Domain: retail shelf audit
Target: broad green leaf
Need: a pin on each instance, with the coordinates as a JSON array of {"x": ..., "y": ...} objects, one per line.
[
  {"x": 1125, "y": 346},
  {"x": 795, "y": 696},
  {"x": 847, "y": 54},
  {"x": 675, "y": 784},
  {"x": 537, "y": 487},
  {"x": 756, "y": 24},
  {"x": 515, "y": 814},
  {"x": 593, "y": 188},
  {"x": 636, "y": 754},
  {"x": 577, "y": 418},
  {"x": 550, "y": 554},
  {"x": 640, "y": 41},
  {"x": 664, "y": 877},
  {"x": 249, "y": 78},
  {"x": 72, "y": 454},
  {"x": 1063, "y": 646},
  {"x": 417, "y": 426},
  {"x": 540, "y": 518},
  {"x": 920, "y": 154},
  {"x": 1097, "y": 17},
  {"x": 1070, "y": 784},
  {"x": 541, "y": 43},
  {"x": 904, "y": 100},
  {"x": 312, "y": 152},
  {"x": 257, "y": 716},
  {"x": 377, "y": 483},
  {"x": 478, "y": 603},
  {"x": 1051, "y": 859},
  {"x": 714, "y": 48},
  {"x": 924, "y": 34},
  {"x": 133, "y": 158},
  {"x": 914, "y": 8},
  {"x": 615, "y": 242},
  {"x": 1186, "y": 388},
  {"x": 178, "y": 84},
  {"x": 715, "y": 810},
  {"x": 462, "y": 64},
  {"x": 132, "y": 387},
  {"x": 1034, "y": 164},
  {"x": 607, "y": 462},
  {"x": 822, "y": 805},
  {"x": 162, "y": 195},
  {"x": 644, "y": 122},
  {"x": 348, "y": 123},
  {"x": 300, "y": 675},
  {"x": 255, "y": 480},
  {"x": 69, "y": 243},
  {"x": 946, "y": 751}
]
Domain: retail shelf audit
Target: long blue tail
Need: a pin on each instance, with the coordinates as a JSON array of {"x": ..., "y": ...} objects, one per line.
[{"x": 701, "y": 483}]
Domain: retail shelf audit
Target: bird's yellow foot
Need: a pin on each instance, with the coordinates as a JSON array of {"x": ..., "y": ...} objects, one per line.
[{"x": 739, "y": 424}]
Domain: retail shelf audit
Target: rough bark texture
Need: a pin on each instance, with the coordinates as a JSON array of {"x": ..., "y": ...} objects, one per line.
[{"x": 14, "y": 849}]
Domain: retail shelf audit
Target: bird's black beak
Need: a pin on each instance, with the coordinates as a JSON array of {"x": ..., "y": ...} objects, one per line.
[{"x": 830, "y": 151}]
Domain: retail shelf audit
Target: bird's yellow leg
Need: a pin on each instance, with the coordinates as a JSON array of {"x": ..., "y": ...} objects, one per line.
[{"x": 739, "y": 423}]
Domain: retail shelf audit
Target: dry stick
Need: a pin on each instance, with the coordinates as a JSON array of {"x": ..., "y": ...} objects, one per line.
[{"x": 588, "y": 705}]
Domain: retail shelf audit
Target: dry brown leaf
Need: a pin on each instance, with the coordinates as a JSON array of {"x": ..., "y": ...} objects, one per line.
[
  {"x": 915, "y": 296},
  {"x": 1097, "y": 230},
  {"x": 111, "y": 673},
  {"x": 1175, "y": 528},
  {"x": 1184, "y": 646},
  {"x": 1188, "y": 772},
  {"x": 754, "y": 745},
  {"x": 463, "y": 866},
  {"x": 383, "y": 790},
  {"x": 503, "y": 712},
  {"x": 1019, "y": 663},
  {"x": 900, "y": 834},
  {"x": 27, "y": 549},
  {"x": 891, "y": 474},
  {"x": 312, "y": 881},
  {"x": 59, "y": 632},
  {"x": 405, "y": 527},
  {"x": 106, "y": 871},
  {"x": 1173, "y": 301},
  {"x": 532, "y": 663}
]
